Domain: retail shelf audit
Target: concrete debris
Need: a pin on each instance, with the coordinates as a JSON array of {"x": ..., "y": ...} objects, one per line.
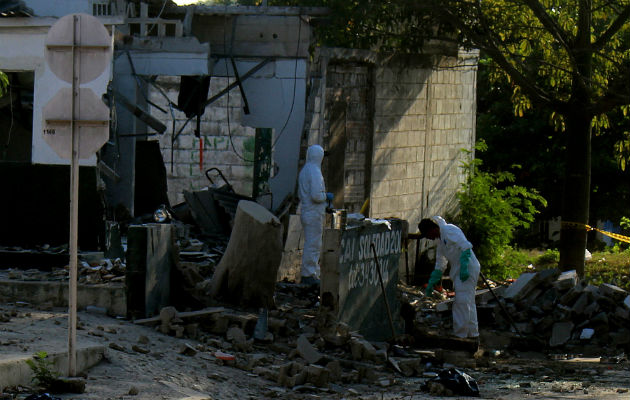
[{"x": 554, "y": 309}]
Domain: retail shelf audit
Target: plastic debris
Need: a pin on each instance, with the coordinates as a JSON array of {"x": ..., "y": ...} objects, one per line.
[{"x": 458, "y": 382}]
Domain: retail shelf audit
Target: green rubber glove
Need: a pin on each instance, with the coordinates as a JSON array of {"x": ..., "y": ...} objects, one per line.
[
  {"x": 435, "y": 277},
  {"x": 464, "y": 258}
]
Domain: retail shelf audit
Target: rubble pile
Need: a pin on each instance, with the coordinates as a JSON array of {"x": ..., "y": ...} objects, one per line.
[
  {"x": 558, "y": 310},
  {"x": 304, "y": 348}
]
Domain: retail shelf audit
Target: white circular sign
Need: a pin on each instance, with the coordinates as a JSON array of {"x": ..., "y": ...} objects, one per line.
[
  {"x": 91, "y": 123},
  {"x": 89, "y": 39}
]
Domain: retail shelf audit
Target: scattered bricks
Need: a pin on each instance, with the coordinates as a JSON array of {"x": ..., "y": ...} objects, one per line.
[
  {"x": 238, "y": 339},
  {"x": 277, "y": 326},
  {"x": 254, "y": 360},
  {"x": 614, "y": 292},
  {"x": 547, "y": 276},
  {"x": 116, "y": 346},
  {"x": 593, "y": 289},
  {"x": 139, "y": 349},
  {"x": 187, "y": 350},
  {"x": 545, "y": 323},
  {"x": 219, "y": 323},
  {"x": 620, "y": 338},
  {"x": 600, "y": 320},
  {"x": 566, "y": 280},
  {"x": 530, "y": 299},
  {"x": 410, "y": 366},
  {"x": 560, "y": 333},
  {"x": 334, "y": 370},
  {"x": 292, "y": 374},
  {"x": 622, "y": 314},
  {"x": 569, "y": 297},
  {"x": 561, "y": 313},
  {"x": 166, "y": 316},
  {"x": 361, "y": 349},
  {"x": 581, "y": 303},
  {"x": 179, "y": 330},
  {"x": 317, "y": 375},
  {"x": 548, "y": 300},
  {"x": 246, "y": 322},
  {"x": 607, "y": 304},
  {"x": 143, "y": 339},
  {"x": 380, "y": 356},
  {"x": 461, "y": 359},
  {"x": 306, "y": 350},
  {"x": 525, "y": 327},
  {"x": 484, "y": 296},
  {"x": 521, "y": 287},
  {"x": 267, "y": 373},
  {"x": 191, "y": 330},
  {"x": 591, "y": 309},
  {"x": 335, "y": 340},
  {"x": 280, "y": 348},
  {"x": 587, "y": 334},
  {"x": 528, "y": 282},
  {"x": 368, "y": 374},
  {"x": 67, "y": 385}
]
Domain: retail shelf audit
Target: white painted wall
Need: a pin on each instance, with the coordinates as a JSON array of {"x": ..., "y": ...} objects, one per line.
[{"x": 22, "y": 49}]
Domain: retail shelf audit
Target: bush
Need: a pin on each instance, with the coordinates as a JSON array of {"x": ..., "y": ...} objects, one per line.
[
  {"x": 492, "y": 209},
  {"x": 551, "y": 257},
  {"x": 43, "y": 373}
]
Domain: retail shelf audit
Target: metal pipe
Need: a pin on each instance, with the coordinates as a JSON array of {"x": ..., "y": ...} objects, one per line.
[{"x": 500, "y": 304}]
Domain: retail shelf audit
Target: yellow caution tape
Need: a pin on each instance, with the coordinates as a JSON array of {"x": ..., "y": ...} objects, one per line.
[{"x": 578, "y": 225}]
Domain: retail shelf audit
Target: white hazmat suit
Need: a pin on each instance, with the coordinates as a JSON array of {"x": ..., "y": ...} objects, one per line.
[
  {"x": 312, "y": 194},
  {"x": 451, "y": 244}
]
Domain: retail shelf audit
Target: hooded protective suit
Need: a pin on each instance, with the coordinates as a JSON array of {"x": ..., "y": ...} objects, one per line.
[
  {"x": 451, "y": 244},
  {"x": 312, "y": 194}
]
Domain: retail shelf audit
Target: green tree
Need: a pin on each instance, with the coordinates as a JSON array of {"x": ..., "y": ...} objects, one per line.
[
  {"x": 4, "y": 83},
  {"x": 568, "y": 59},
  {"x": 492, "y": 209}
]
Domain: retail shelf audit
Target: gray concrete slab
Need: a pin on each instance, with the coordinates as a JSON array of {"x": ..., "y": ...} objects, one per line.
[
  {"x": 109, "y": 296},
  {"x": 15, "y": 371}
]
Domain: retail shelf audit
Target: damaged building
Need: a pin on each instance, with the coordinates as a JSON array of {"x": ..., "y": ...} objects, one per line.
[
  {"x": 210, "y": 105},
  {"x": 237, "y": 90}
]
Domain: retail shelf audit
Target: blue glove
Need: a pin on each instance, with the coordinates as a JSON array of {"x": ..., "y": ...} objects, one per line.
[
  {"x": 464, "y": 258},
  {"x": 435, "y": 277},
  {"x": 330, "y": 196}
]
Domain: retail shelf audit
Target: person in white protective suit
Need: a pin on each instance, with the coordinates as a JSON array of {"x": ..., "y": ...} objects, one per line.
[
  {"x": 454, "y": 248},
  {"x": 313, "y": 196}
]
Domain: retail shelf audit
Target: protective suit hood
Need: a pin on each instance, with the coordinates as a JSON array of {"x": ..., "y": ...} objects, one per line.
[
  {"x": 315, "y": 155},
  {"x": 438, "y": 220}
]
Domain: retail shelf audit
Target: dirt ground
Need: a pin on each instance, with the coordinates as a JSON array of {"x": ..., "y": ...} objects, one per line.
[{"x": 142, "y": 363}]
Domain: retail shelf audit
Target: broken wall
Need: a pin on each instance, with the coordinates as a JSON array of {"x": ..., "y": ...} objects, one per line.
[
  {"x": 275, "y": 97},
  {"x": 423, "y": 109}
]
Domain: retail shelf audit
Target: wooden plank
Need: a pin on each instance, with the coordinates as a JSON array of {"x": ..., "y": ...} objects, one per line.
[{"x": 182, "y": 315}]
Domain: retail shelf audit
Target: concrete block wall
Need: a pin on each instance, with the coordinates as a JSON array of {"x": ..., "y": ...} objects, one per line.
[
  {"x": 423, "y": 117},
  {"x": 190, "y": 159}
]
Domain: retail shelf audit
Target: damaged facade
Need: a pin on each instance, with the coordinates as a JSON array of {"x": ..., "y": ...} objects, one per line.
[{"x": 396, "y": 124}]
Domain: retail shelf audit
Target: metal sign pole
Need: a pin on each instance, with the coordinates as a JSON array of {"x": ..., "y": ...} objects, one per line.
[{"x": 74, "y": 212}]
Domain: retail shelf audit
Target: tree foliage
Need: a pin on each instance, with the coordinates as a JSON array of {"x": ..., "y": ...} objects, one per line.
[
  {"x": 4, "y": 83},
  {"x": 492, "y": 209},
  {"x": 568, "y": 59}
]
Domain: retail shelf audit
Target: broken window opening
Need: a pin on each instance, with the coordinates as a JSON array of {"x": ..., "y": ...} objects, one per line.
[
  {"x": 16, "y": 118},
  {"x": 262, "y": 162}
]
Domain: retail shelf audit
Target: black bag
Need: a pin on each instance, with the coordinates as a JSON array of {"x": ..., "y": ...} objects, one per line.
[{"x": 458, "y": 382}]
